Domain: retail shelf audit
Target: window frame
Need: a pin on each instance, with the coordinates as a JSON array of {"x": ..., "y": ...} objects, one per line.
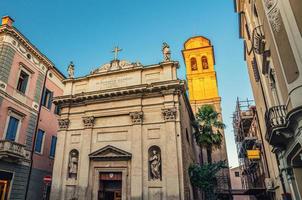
[
  {"x": 15, "y": 115},
  {"x": 52, "y": 137},
  {"x": 26, "y": 84},
  {"x": 29, "y": 73},
  {"x": 47, "y": 104},
  {"x": 42, "y": 144}
]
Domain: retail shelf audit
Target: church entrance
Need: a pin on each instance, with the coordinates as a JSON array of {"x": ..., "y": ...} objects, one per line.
[{"x": 110, "y": 186}]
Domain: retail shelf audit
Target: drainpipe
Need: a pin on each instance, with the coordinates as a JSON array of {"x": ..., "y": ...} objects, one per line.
[{"x": 34, "y": 136}]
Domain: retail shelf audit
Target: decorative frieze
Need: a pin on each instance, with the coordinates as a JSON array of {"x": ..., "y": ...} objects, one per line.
[
  {"x": 88, "y": 121},
  {"x": 137, "y": 117},
  {"x": 169, "y": 114},
  {"x": 273, "y": 14},
  {"x": 63, "y": 124}
]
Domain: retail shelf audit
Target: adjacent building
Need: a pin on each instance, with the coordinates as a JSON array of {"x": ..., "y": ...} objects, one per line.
[
  {"x": 236, "y": 183},
  {"x": 271, "y": 30},
  {"x": 125, "y": 133},
  {"x": 256, "y": 180},
  {"x": 24, "y": 70},
  {"x": 198, "y": 54}
]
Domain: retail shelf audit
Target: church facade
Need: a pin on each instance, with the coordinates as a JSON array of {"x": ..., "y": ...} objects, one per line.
[{"x": 125, "y": 133}]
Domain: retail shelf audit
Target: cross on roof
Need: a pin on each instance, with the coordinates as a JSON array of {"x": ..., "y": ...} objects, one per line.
[{"x": 115, "y": 51}]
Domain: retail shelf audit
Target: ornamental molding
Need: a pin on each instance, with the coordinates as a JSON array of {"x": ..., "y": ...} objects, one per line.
[
  {"x": 136, "y": 117},
  {"x": 273, "y": 14},
  {"x": 88, "y": 121},
  {"x": 120, "y": 93},
  {"x": 169, "y": 114},
  {"x": 63, "y": 124},
  {"x": 116, "y": 65},
  {"x": 13, "y": 32}
]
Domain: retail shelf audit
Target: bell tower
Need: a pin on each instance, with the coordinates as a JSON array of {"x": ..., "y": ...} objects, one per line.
[{"x": 199, "y": 59}]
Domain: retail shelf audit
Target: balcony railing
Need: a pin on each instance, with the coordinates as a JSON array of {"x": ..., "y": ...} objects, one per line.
[
  {"x": 275, "y": 119},
  {"x": 13, "y": 151}
]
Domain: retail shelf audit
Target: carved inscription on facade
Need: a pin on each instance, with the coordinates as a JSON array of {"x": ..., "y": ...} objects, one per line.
[{"x": 115, "y": 82}]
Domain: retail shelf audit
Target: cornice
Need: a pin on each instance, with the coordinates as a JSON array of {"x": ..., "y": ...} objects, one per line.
[
  {"x": 32, "y": 48},
  {"x": 172, "y": 87}
]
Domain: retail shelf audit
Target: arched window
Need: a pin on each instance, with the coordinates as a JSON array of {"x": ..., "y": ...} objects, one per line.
[
  {"x": 193, "y": 64},
  {"x": 73, "y": 164},
  {"x": 204, "y": 62},
  {"x": 155, "y": 163}
]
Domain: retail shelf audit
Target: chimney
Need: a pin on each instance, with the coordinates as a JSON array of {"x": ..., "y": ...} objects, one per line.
[{"x": 7, "y": 20}]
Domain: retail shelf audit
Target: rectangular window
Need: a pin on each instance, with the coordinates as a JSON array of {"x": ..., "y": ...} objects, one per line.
[
  {"x": 22, "y": 82},
  {"x": 237, "y": 174},
  {"x": 47, "y": 98},
  {"x": 39, "y": 141},
  {"x": 12, "y": 128},
  {"x": 53, "y": 146},
  {"x": 57, "y": 110}
]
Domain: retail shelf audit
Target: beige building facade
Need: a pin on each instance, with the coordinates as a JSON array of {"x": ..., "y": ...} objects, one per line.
[
  {"x": 271, "y": 30},
  {"x": 125, "y": 133}
]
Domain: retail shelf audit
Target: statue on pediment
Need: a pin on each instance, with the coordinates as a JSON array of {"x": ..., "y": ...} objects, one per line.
[
  {"x": 166, "y": 52},
  {"x": 70, "y": 70}
]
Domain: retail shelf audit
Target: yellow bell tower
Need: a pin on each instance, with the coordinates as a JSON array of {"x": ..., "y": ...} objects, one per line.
[{"x": 199, "y": 59}]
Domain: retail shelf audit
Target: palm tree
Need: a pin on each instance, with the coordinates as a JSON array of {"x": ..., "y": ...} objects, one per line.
[{"x": 209, "y": 134}]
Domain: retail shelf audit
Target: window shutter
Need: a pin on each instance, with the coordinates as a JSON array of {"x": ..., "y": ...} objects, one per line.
[
  {"x": 24, "y": 82},
  {"x": 53, "y": 146},
  {"x": 50, "y": 100},
  {"x": 12, "y": 129},
  {"x": 43, "y": 98},
  {"x": 39, "y": 140},
  {"x": 255, "y": 70}
]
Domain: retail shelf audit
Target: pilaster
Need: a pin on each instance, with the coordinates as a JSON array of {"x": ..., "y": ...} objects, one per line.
[
  {"x": 137, "y": 158},
  {"x": 171, "y": 172},
  {"x": 84, "y": 164}
]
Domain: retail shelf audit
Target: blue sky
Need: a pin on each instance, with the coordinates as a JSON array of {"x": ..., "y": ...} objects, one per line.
[{"x": 86, "y": 32}]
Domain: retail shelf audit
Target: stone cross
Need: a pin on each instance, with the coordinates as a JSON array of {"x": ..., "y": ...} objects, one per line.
[{"x": 115, "y": 51}]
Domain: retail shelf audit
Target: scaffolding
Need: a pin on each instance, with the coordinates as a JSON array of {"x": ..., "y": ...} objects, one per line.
[{"x": 249, "y": 145}]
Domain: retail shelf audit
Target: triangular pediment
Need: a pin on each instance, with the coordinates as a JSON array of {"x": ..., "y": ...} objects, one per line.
[{"x": 110, "y": 153}]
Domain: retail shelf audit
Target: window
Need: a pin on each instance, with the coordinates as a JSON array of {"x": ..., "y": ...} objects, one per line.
[
  {"x": 53, "y": 146},
  {"x": 22, "y": 82},
  {"x": 193, "y": 64},
  {"x": 47, "y": 98},
  {"x": 204, "y": 62},
  {"x": 237, "y": 174},
  {"x": 12, "y": 128},
  {"x": 57, "y": 110},
  {"x": 39, "y": 141}
]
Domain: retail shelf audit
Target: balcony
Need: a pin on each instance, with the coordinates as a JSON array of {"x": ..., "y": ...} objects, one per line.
[
  {"x": 12, "y": 151},
  {"x": 276, "y": 121}
]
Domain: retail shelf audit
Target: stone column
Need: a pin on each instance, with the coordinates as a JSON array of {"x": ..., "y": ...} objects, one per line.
[
  {"x": 58, "y": 170},
  {"x": 84, "y": 165},
  {"x": 170, "y": 174},
  {"x": 137, "y": 156}
]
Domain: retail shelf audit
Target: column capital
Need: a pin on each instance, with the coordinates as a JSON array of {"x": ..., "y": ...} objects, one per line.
[
  {"x": 63, "y": 124},
  {"x": 169, "y": 114},
  {"x": 88, "y": 121},
  {"x": 137, "y": 117}
]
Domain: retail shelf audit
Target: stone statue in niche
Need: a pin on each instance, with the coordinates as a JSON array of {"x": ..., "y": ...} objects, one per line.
[
  {"x": 204, "y": 62},
  {"x": 166, "y": 52},
  {"x": 73, "y": 164},
  {"x": 71, "y": 70},
  {"x": 155, "y": 163}
]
